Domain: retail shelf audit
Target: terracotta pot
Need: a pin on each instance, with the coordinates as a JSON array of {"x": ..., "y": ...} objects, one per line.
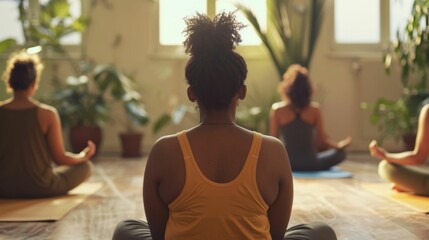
[
  {"x": 409, "y": 140},
  {"x": 79, "y": 136},
  {"x": 131, "y": 144}
]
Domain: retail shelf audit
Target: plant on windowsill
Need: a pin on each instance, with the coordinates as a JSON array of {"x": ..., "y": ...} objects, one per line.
[{"x": 398, "y": 118}]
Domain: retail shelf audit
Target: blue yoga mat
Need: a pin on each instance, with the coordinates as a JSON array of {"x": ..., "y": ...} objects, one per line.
[{"x": 331, "y": 173}]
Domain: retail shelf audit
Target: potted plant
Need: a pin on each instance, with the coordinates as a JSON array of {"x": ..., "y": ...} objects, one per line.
[
  {"x": 137, "y": 116},
  {"x": 398, "y": 118},
  {"x": 83, "y": 102}
]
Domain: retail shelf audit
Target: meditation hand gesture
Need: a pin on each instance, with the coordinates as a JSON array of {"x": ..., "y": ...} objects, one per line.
[
  {"x": 377, "y": 151},
  {"x": 345, "y": 142},
  {"x": 89, "y": 151}
]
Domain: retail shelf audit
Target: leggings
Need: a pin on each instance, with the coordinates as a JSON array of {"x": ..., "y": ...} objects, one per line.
[
  {"x": 133, "y": 229},
  {"x": 330, "y": 158},
  {"x": 322, "y": 161},
  {"x": 65, "y": 178},
  {"x": 408, "y": 178}
]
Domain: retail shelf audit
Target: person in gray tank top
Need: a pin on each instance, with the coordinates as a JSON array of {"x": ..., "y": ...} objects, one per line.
[
  {"x": 31, "y": 139},
  {"x": 298, "y": 122}
]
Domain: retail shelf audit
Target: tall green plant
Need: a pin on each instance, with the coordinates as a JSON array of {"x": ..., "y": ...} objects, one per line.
[
  {"x": 396, "y": 118},
  {"x": 411, "y": 48},
  {"x": 293, "y": 29}
]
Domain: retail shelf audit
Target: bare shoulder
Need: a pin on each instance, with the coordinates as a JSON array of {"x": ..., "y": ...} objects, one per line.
[
  {"x": 47, "y": 109},
  {"x": 273, "y": 148},
  {"x": 315, "y": 105},
  {"x": 166, "y": 142},
  {"x": 5, "y": 102},
  {"x": 278, "y": 105},
  {"x": 165, "y": 149},
  {"x": 425, "y": 110}
]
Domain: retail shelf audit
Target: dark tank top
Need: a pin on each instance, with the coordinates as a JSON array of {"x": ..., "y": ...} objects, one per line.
[
  {"x": 298, "y": 137},
  {"x": 25, "y": 158}
]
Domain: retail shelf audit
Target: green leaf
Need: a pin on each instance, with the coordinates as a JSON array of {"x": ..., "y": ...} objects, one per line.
[
  {"x": 6, "y": 44},
  {"x": 80, "y": 24},
  {"x": 162, "y": 121},
  {"x": 137, "y": 113},
  {"x": 60, "y": 8}
]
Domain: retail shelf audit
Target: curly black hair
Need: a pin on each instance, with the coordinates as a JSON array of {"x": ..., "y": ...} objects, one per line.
[
  {"x": 300, "y": 90},
  {"x": 214, "y": 72},
  {"x": 22, "y": 70}
]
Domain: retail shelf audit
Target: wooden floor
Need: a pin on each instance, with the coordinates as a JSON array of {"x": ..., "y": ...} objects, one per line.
[{"x": 354, "y": 213}]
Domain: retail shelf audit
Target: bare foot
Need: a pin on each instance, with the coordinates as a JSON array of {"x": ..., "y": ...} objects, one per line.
[{"x": 399, "y": 189}]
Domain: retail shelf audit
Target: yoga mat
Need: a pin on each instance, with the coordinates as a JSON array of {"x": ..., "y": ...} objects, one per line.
[
  {"x": 415, "y": 202},
  {"x": 45, "y": 209},
  {"x": 331, "y": 173}
]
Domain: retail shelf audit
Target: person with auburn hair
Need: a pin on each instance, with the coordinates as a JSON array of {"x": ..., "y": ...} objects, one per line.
[
  {"x": 298, "y": 121},
  {"x": 217, "y": 180},
  {"x": 402, "y": 168},
  {"x": 31, "y": 139}
]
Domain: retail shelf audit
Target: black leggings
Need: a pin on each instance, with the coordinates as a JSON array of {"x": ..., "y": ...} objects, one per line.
[
  {"x": 134, "y": 229},
  {"x": 323, "y": 161}
]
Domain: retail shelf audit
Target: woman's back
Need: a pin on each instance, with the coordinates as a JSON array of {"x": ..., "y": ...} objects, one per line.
[
  {"x": 25, "y": 159},
  {"x": 220, "y": 153},
  {"x": 213, "y": 201},
  {"x": 223, "y": 158}
]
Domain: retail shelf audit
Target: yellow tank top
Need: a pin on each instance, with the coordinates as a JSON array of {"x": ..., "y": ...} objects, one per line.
[{"x": 209, "y": 210}]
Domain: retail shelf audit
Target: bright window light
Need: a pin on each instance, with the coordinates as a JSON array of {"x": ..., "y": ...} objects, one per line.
[
  {"x": 171, "y": 15},
  {"x": 400, "y": 11},
  {"x": 357, "y": 21},
  {"x": 10, "y": 18}
]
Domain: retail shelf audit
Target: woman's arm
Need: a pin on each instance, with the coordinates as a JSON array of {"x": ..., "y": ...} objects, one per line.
[
  {"x": 56, "y": 144},
  {"x": 323, "y": 137},
  {"x": 280, "y": 209},
  {"x": 421, "y": 149},
  {"x": 156, "y": 210}
]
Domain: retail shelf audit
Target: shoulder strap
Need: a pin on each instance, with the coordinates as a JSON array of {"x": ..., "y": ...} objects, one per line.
[
  {"x": 184, "y": 144},
  {"x": 256, "y": 144}
]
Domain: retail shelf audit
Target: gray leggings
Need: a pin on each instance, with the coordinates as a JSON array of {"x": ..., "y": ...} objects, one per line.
[
  {"x": 409, "y": 178},
  {"x": 68, "y": 177},
  {"x": 133, "y": 229}
]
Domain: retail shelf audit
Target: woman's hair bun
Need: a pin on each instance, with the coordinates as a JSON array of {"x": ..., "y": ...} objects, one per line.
[{"x": 205, "y": 36}]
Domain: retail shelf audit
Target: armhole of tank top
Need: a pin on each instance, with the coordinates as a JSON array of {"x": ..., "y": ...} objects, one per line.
[
  {"x": 184, "y": 146},
  {"x": 256, "y": 149}
]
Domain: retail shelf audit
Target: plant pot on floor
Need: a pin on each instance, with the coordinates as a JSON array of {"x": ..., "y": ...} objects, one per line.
[
  {"x": 79, "y": 136},
  {"x": 131, "y": 144}
]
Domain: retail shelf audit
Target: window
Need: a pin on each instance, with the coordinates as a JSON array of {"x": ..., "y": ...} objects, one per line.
[
  {"x": 172, "y": 13},
  {"x": 10, "y": 17},
  {"x": 367, "y": 25}
]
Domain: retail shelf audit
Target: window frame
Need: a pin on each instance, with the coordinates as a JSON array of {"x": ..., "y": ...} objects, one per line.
[
  {"x": 159, "y": 51},
  {"x": 367, "y": 50}
]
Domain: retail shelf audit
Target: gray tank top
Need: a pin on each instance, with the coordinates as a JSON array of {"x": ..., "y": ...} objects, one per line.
[
  {"x": 298, "y": 137},
  {"x": 25, "y": 158}
]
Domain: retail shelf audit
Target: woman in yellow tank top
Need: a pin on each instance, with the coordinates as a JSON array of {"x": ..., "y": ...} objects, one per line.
[{"x": 217, "y": 180}]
